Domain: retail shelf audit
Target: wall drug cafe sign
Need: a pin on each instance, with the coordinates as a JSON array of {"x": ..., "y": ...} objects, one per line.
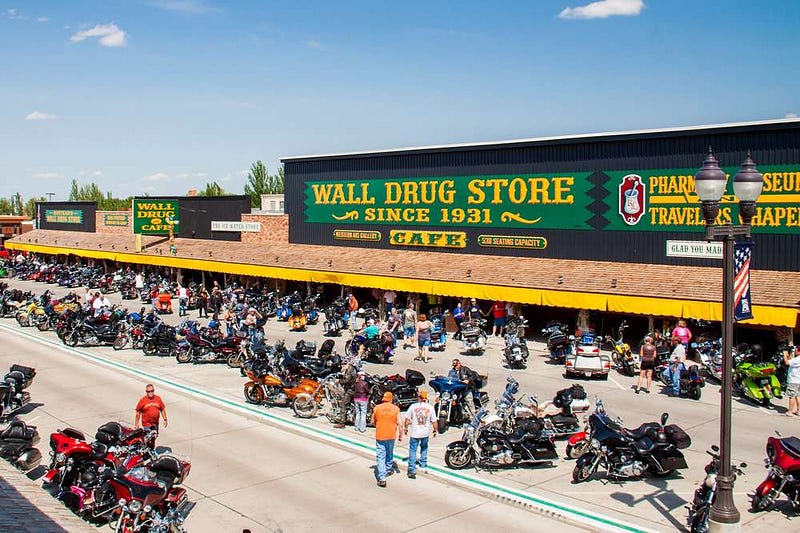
[
  {"x": 555, "y": 201},
  {"x": 152, "y": 216}
]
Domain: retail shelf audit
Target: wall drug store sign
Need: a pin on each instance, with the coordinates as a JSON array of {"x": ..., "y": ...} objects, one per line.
[
  {"x": 555, "y": 201},
  {"x": 664, "y": 200},
  {"x": 152, "y": 216},
  {"x": 63, "y": 216}
]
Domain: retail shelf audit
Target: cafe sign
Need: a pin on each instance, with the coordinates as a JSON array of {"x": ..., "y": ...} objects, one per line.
[{"x": 152, "y": 216}]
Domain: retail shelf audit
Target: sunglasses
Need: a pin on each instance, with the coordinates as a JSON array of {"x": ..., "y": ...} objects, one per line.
[{"x": 149, "y": 390}]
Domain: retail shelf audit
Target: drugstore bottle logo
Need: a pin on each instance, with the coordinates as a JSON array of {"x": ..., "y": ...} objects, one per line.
[{"x": 631, "y": 199}]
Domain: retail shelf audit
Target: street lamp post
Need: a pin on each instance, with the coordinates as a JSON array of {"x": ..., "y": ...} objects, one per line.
[
  {"x": 710, "y": 183},
  {"x": 50, "y": 196}
]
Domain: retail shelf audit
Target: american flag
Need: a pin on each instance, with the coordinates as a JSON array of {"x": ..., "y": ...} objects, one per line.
[{"x": 741, "y": 280}]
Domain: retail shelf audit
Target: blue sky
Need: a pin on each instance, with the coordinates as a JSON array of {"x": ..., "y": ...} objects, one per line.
[{"x": 158, "y": 96}]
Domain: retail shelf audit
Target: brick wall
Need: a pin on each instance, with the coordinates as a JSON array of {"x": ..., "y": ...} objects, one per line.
[
  {"x": 274, "y": 228},
  {"x": 105, "y": 224}
]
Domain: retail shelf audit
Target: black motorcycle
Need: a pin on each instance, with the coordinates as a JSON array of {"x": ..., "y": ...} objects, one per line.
[
  {"x": 13, "y": 395},
  {"x": 91, "y": 333},
  {"x": 559, "y": 344},
  {"x": 17, "y": 442},
  {"x": 652, "y": 447},
  {"x": 516, "y": 349},
  {"x": 691, "y": 384},
  {"x": 334, "y": 319},
  {"x": 161, "y": 340},
  {"x": 700, "y": 508}
]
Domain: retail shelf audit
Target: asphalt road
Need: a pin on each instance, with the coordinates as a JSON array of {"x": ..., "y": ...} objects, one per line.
[{"x": 650, "y": 503}]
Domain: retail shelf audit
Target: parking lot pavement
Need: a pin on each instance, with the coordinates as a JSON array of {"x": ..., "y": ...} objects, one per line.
[
  {"x": 26, "y": 508},
  {"x": 653, "y": 503}
]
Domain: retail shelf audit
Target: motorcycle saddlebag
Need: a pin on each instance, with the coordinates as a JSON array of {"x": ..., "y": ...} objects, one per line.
[
  {"x": 28, "y": 460},
  {"x": 326, "y": 349},
  {"x": 671, "y": 460},
  {"x": 23, "y": 375},
  {"x": 414, "y": 377},
  {"x": 110, "y": 433},
  {"x": 306, "y": 348},
  {"x": 678, "y": 437}
]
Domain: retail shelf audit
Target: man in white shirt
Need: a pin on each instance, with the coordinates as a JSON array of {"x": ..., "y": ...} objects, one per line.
[
  {"x": 676, "y": 364},
  {"x": 138, "y": 281},
  {"x": 183, "y": 300},
  {"x": 100, "y": 301},
  {"x": 419, "y": 423},
  {"x": 389, "y": 297}
]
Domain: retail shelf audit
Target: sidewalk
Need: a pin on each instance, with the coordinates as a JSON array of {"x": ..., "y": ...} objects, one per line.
[{"x": 25, "y": 507}]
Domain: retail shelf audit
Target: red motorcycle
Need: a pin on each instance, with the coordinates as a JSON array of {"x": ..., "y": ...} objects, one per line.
[
  {"x": 150, "y": 498},
  {"x": 783, "y": 475}
]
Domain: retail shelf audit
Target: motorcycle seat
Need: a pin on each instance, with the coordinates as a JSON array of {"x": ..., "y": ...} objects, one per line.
[
  {"x": 645, "y": 430},
  {"x": 518, "y": 437},
  {"x": 644, "y": 445},
  {"x": 791, "y": 445}
]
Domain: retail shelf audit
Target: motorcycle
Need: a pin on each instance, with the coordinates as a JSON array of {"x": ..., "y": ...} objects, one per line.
[
  {"x": 379, "y": 349},
  {"x": 692, "y": 382},
  {"x": 456, "y": 401},
  {"x": 755, "y": 379},
  {"x": 438, "y": 334},
  {"x": 783, "y": 474},
  {"x": 150, "y": 497},
  {"x": 561, "y": 411},
  {"x": 198, "y": 347},
  {"x": 710, "y": 354},
  {"x": 265, "y": 387},
  {"x": 334, "y": 319},
  {"x": 516, "y": 347},
  {"x": 298, "y": 319},
  {"x": 17, "y": 441},
  {"x": 161, "y": 340},
  {"x": 473, "y": 337},
  {"x": 13, "y": 395},
  {"x": 704, "y": 495},
  {"x": 310, "y": 309},
  {"x": 624, "y": 454},
  {"x": 625, "y": 361},
  {"x": 92, "y": 332},
  {"x": 559, "y": 344}
]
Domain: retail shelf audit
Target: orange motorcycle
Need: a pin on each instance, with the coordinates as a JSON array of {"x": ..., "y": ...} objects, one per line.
[{"x": 265, "y": 387}]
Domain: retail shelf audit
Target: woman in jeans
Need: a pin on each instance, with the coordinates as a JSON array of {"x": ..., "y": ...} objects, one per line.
[
  {"x": 360, "y": 399},
  {"x": 423, "y": 328}
]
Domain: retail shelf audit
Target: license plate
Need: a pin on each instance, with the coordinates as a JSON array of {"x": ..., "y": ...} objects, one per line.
[{"x": 587, "y": 374}]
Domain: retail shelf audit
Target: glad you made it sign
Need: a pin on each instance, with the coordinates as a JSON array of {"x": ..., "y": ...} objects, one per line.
[{"x": 155, "y": 217}]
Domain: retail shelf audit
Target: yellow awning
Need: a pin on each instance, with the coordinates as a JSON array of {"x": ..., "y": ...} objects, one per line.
[{"x": 640, "y": 305}]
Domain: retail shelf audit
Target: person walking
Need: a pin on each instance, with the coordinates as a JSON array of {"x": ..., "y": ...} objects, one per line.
[
  {"x": 458, "y": 316},
  {"x": 676, "y": 364},
  {"x": 792, "y": 361},
  {"x": 347, "y": 381},
  {"x": 409, "y": 325},
  {"x": 216, "y": 298},
  {"x": 423, "y": 328},
  {"x": 203, "y": 297},
  {"x": 647, "y": 362},
  {"x": 183, "y": 300},
  {"x": 419, "y": 423},
  {"x": 148, "y": 411},
  {"x": 389, "y": 297},
  {"x": 393, "y": 325},
  {"x": 352, "y": 310},
  {"x": 499, "y": 315},
  {"x": 386, "y": 419},
  {"x": 361, "y": 400}
]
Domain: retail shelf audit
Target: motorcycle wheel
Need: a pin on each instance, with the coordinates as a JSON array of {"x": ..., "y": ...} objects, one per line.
[
  {"x": 695, "y": 393},
  {"x": 762, "y": 502},
  {"x": 184, "y": 355},
  {"x": 149, "y": 348},
  {"x": 253, "y": 393},
  {"x": 441, "y": 426},
  {"x": 458, "y": 457},
  {"x": 71, "y": 340},
  {"x": 42, "y": 324},
  {"x": 699, "y": 523},
  {"x": 120, "y": 343},
  {"x": 304, "y": 406},
  {"x": 573, "y": 452},
  {"x": 234, "y": 360},
  {"x": 23, "y": 320},
  {"x": 663, "y": 473},
  {"x": 582, "y": 473}
]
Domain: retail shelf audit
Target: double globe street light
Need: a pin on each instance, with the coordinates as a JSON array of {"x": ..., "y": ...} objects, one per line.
[{"x": 710, "y": 183}]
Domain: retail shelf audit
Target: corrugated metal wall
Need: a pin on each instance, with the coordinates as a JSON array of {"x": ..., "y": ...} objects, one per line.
[{"x": 771, "y": 144}]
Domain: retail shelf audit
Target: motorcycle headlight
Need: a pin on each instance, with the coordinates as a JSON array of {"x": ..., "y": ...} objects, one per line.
[
  {"x": 711, "y": 478},
  {"x": 445, "y": 396},
  {"x": 778, "y": 471},
  {"x": 147, "y": 509},
  {"x": 595, "y": 444},
  {"x": 122, "y": 502},
  {"x": 61, "y": 457},
  {"x": 135, "y": 506}
]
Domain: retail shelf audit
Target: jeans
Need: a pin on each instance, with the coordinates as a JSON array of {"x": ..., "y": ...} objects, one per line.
[
  {"x": 182, "y": 306},
  {"x": 412, "y": 454},
  {"x": 384, "y": 456},
  {"x": 360, "y": 421},
  {"x": 675, "y": 376},
  {"x": 408, "y": 334}
]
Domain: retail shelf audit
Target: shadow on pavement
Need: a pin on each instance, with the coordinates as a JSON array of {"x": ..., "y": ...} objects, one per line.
[
  {"x": 19, "y": 514},
  {"x": 662, "y": 500}
]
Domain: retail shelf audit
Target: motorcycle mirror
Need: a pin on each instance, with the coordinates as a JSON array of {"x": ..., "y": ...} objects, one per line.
[
  {"x": 693, "y": 345},
  {"x": 664, "y": 418},
  {"x": 714, "y": 448},
  {"x": 743, "y": 465}
]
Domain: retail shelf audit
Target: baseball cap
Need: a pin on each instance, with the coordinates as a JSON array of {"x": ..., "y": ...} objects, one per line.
[
  {"x": 387, "y": 397},
  {"x": 423, "y": 395}
]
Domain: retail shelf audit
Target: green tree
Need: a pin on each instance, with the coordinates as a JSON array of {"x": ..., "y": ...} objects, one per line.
[
  {"x": 92, "y": 193},
  {"x": 5, "y": 207},
  {"x": 259, "y": 182},
  {"x": 212, "y": 189},
  {"x": 30, "y": 206},
  {"x": 16, "y": 204}
]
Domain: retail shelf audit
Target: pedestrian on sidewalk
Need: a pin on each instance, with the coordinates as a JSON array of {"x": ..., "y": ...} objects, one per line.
[
  {"x": 183, "y": 300},
  {"x": 792, "y": 361},
  {"x": 409, "y": 323},
  {"x": 202, "y": 302},
  {"x": 149, "y": 409},
  {"x": 386, "y": 418},
  {"x": 647, "y": 363},
  {"x": 419, "y": 422},
  {"x": 361, "y": 400}
]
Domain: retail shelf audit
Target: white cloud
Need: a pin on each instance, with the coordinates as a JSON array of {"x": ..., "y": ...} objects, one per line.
[
  {"x": 201, "y": 175},
  {"x": 159, "y": 176},
  {"x": 603, "y": 9},
  {"x": 97, "y": 173},
  {"x": 790, "y": 115},
  {"x": 315, "y": 44},
  {"x": 38, "y": 115},
  {"x": 47, "y": 175},
  {"x": 12, "y": 13},
  {"x": 183, "y": 6},
  {"x": 243, "y": 173},
  {"x": 107, "y": 34},
  {"x": 42, "y": 19},
  {"x": 182, "y": 176}
]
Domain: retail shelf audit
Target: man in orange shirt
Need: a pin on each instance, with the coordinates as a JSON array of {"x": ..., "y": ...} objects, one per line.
[
  {"x": 150, "y": 408},
  {"x": 386, "y": 418}
]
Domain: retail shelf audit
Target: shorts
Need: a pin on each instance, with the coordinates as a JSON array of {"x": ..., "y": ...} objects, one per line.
[
  {"x": 648, "y": 365},
  {"x": 500, "y": 321},
  {"x": 424, "y": 341},
  {"x": 409, "y": 332},
  {"x": 793, "y": 390}
]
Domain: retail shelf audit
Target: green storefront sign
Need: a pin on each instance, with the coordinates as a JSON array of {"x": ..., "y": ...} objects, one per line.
[
  {"x": 116, "y": 219},
  {"x": 542, "y": 201},
  {"x": 664, "y": 200},
  {"x": 152, "y": 216},
  {"x": 63, "y": 216}
]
